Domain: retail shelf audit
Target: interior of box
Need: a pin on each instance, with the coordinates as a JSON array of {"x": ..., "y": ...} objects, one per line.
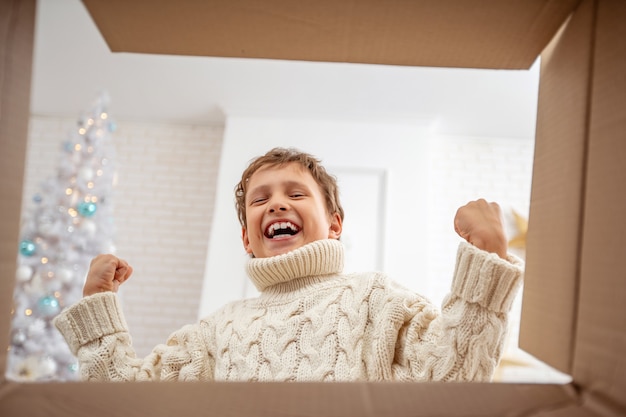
[
  {"x": 550, "y": 306},
  {"x": 472, "y": 34},
  {"x": 572, "y": 315}
]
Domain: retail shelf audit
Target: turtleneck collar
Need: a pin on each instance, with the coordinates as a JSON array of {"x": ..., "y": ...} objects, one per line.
[{"x": 322, "y": 257}]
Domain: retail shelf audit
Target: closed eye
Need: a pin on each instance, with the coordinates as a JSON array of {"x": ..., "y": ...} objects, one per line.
[{"x": 257, "y": 200}]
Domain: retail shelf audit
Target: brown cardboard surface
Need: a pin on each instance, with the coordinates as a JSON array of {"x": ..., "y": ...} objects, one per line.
[
  {"x": 17, "y": 21},
  {"x": 456, "y": 33},
  {"x": 549, "y": 304},
  {"x": 284, "y": 399},
  {"x": 600, "y": 364},
  {"x": 575, "y": 291},
  {"x": 579, "y": 326}
]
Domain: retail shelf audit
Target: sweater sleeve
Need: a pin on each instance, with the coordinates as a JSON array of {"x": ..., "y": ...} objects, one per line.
[
  {"x": 464, "y": 341},
  {"x": 96, "y": 331}
]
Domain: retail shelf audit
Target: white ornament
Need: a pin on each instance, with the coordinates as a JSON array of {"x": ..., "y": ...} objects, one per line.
[
  {"x": 89, "y": 227},
  {"x": 34, "y": 286},
  {"x": 19, "y": 337},
  {"x": 37, "y": 328},
  {"x": 47, "y": 367},
  {"x": 86, "y": 174},
  {"x": 65, "y": 275},
  {"x": 23, "y": 273}
]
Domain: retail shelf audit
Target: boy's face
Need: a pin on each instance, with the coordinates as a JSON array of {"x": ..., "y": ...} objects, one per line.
[{"x": 285, "y": 209}]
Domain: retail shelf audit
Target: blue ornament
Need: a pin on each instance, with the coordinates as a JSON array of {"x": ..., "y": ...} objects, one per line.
[
  {"x": 48, "y": 306},
  {"x": 37, "y": 198},
  {"x": 27, "y": 247},
  {"x": 87, "y": 209},
  {"x": 68, "y": 146},
  {"x": 112, "y": 126}
]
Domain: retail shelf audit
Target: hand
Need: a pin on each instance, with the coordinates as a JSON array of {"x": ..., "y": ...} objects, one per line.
[
  {"x": 480, "y": 223},
  {"x": 106, "y": 273}
]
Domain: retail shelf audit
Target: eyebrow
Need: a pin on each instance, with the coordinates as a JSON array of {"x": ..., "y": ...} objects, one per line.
[{"x": 287, "y": 184}]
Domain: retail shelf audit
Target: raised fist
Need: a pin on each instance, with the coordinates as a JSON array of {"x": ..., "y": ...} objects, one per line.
[
  {"x": 480, "y": 223},
  {"x": 106, "y": 273}
]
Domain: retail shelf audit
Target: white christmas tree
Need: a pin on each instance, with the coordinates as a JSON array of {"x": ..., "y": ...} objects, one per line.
[{"x": 70, "y": 222}]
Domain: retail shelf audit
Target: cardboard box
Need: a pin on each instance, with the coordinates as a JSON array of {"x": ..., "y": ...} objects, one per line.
[
  {"x": 477, "y": 34},
  {"x": 573, "y": 309}
]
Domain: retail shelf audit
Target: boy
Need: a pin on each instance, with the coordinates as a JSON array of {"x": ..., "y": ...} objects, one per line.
[{"x": 310, "y": 321}]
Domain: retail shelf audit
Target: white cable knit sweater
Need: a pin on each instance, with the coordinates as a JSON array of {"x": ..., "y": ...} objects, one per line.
[{"x": 313, "y": 323}]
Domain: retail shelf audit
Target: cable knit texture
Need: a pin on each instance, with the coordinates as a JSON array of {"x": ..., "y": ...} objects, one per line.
[{"x": 313, "y": 323}]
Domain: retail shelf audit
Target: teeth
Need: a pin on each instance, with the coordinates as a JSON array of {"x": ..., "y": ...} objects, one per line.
[{"x": 280, "y": 225}]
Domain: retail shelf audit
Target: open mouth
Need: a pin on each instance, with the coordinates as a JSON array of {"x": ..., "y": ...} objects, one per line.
[{"x": 281, "y": 229}]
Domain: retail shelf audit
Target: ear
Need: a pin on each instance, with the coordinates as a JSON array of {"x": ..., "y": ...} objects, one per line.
[
  {"x": 245, "y": 240},
  {"x": 334, "y": 232}
]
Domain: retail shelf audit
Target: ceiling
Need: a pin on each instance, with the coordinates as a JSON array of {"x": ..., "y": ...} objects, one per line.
[{"x": 72, "y": 63}]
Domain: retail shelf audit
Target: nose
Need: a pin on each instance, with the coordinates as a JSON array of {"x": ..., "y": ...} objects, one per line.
[{"x": 277, "y": 205}]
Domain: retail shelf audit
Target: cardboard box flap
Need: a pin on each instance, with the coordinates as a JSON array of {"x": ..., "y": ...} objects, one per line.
[
  {"x": 600, "y": 356},
  {"x": 573, "y": 306},
  {"x": 549, "y": 304},
  {"x": 452, "y": 33},
  {"x": 286, "y": 399}
]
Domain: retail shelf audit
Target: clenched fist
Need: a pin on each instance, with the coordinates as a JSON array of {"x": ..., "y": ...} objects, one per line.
[
  {"x": 480, "y": 223},
  {"x": 106, "y": 273}
]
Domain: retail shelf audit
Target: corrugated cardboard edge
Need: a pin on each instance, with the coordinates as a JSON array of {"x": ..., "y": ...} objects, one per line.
[{"x": 17, "y": 21}]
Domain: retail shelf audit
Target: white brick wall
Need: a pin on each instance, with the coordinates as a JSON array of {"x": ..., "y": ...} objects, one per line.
[
  {"x": 463, "y": 169},
  {"x": 466, "y": 168},
  {"x": 163, "y": 205}
]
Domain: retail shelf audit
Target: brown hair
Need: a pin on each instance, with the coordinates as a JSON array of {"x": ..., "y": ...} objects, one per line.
[{"x": 280, "y": 156}]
